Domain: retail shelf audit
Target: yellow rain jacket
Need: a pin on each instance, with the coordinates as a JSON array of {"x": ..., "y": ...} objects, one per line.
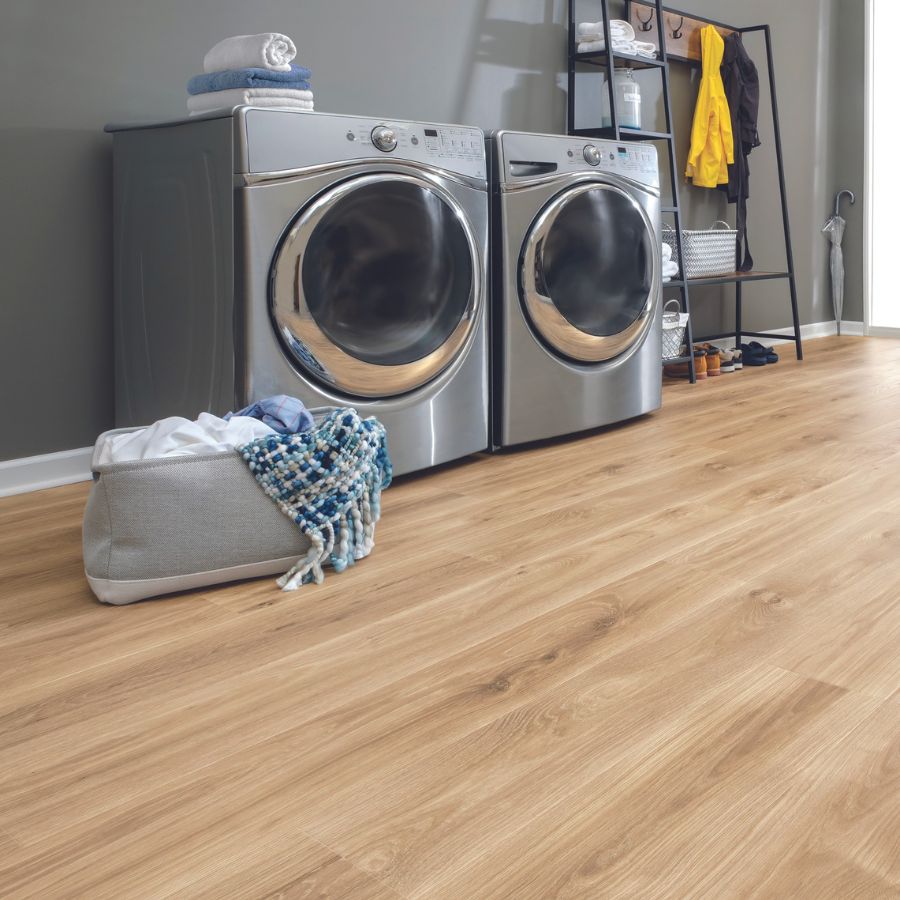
[{"x": 712, "y": 143}]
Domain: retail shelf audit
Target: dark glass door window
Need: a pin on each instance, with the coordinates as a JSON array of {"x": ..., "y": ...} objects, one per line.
[
  {"x": 597, "y": 262},
  {"x": 387, "y": 272}
]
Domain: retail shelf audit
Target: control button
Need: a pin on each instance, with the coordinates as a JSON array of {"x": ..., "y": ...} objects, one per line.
[
  {"x": 591, "y": 155},
  {"x": 414, "y": 141},
  {"x": 570, "y": 153},
  {"x": 384, "y": 138},
  {"x": 351, "y": 136}
]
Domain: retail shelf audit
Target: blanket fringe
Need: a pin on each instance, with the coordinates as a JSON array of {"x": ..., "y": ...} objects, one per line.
[{"x": 329, "y": 483}]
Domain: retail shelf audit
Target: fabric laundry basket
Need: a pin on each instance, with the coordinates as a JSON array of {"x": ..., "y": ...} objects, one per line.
[
  {"x": 157, "y": 526},
  {"x": 707, "y": 252}
]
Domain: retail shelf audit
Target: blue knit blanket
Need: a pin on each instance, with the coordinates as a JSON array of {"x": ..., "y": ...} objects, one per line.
[{"x": 327, "y": 481}]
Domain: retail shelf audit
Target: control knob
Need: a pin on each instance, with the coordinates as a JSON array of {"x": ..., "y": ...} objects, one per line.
[
  {"x": 591, "y": 155},
  {"x": 384, "y": 138}
]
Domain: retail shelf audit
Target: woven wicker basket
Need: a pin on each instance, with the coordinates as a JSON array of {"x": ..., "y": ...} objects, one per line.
[
  {"x": 707, "y": 252},
  {"x": 674, "y": 324}
]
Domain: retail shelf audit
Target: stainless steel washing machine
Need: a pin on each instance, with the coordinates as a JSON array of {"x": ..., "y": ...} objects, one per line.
[
  {"x": 575, "y": 234},
  {"x": 339, "y": 259}
]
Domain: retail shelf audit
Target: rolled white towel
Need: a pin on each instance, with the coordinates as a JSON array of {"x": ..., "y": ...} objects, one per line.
[
  {"x": 243, "y": 51},
  {"x": 643, "y": 48},
  {"x": 618, "y": 28},
  {"x": 666, "y": 252},
  {"x": 271, "y": 97}
]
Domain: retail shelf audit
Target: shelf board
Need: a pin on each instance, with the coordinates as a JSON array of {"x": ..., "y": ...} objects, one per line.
[
  {"x": 733, "y": 277},
  {"x": 674, "y": 283},
  {"x": 675, "y": 360},
  {"x": 620, "y": 60},
  {"x": 625, "y": 134}
]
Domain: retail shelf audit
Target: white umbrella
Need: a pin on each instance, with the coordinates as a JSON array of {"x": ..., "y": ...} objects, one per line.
[{"x": 834, "y": 228}]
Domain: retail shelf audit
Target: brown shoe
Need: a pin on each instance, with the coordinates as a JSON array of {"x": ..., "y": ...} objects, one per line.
[
  {"x": 682, "y": 370},
  {"x": 713, "y": 360}
]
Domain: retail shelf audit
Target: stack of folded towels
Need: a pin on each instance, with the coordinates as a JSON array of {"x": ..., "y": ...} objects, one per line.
[
  {"x": 669, "y": 266},
  {"x": 250, "y": 70},
  {"x": 621, "y": 34}
]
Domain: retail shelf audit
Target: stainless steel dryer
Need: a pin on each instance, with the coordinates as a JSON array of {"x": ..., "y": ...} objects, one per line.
[
  {"x": 575, "y": 250},
  {"x": 336, "y": 258}
]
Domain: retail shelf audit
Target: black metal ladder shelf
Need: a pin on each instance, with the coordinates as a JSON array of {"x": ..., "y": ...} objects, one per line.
[{"x": 609, "y": 62}]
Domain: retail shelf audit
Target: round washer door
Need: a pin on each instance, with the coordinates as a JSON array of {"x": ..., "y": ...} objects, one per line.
[
  {"x": 376, "y": 285},
  {"x": 589, "y": 273}
]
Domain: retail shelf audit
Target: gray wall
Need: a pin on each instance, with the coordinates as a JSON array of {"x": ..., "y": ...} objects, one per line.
[
  {"x": 848, "y": 144},
  {"x": 493, "y": 63}
]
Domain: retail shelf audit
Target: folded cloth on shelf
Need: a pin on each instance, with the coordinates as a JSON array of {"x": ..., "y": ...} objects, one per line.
[
  {"x": 280, "y": 97},
  {"x": 177, "y": 436},
  {"x": 287, "y": 415},
  {"x": 618, "y": 28},
  {"x": 329, "y": 483},
  {"x": 297, "y": 79},
  {"x": 666, "y": 254},
  {"x": 269, "y": 50},
  {"x": 635, "y": 48}
]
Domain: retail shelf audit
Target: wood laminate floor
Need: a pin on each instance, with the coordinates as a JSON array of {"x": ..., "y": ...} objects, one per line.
[{"x": 662, "y": 660}]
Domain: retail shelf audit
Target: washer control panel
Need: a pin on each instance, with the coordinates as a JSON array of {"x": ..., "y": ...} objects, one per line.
[
  {"x": 278, "y": 140},
  {"x": 423, "y": 142},
  {"x": 532, "y": 154}
]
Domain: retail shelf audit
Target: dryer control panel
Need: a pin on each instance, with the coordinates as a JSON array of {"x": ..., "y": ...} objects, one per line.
[
  {"x": 277, "y": 141},
  {"x": 522, "y": 155}
]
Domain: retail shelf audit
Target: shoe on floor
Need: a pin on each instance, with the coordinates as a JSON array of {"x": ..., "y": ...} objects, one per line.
[
  {"x": 682, "y": 370},
  {"x": 752, "y": 357},
  {"x": 770, "y": 354},
  {"x": 713, "y": 359},
  {"x": 738, "y": 357},
  {"x": 728, "y": 363}
]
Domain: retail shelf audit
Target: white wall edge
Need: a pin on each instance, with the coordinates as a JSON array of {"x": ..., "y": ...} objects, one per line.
[
  {"x": 882, "y": 332},
  {"x": 34, "y": 473},
  {"x": 817, "y": 330}
]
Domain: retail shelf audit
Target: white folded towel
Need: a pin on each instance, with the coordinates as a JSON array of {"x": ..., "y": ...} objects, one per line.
[
  {"x": 635, "y": 48},
  {"x": 283, "y": 97},
  {"x": 243, "y": 51},
  {"x": 618, "y": 28},
  {"x": 666, "y": 252}
]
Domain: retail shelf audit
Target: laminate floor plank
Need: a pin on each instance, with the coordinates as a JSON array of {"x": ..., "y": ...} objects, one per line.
[{"x": 654, "y": 660}]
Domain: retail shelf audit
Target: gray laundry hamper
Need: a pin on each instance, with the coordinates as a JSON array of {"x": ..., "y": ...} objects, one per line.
[{"x": 157, "y": 526}]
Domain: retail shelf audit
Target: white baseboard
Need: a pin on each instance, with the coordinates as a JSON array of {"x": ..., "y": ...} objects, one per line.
[
  {"x": 880, "y": 331},
  {"x": 34, "y": 473},
  {"x": 816, "y": 330}
]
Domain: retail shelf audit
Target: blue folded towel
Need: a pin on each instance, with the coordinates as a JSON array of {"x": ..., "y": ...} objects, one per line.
[{"x": 297, "y": 79}]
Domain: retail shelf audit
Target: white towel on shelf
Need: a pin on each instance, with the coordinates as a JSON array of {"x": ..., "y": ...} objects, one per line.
[
  {"x": 669, "y": 270},
  {"x": 280, "y": 97},
  {"x": 618, "y": 28},
  {"x": 243, "y": 51},
  {"x": 635, "y": 48},
  {"x": 666, "y": 252}
]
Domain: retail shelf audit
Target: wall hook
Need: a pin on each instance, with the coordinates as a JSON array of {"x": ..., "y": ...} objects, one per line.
[
  {"x": 676, "y": 31},
  {"x": 646, "y": 24}
]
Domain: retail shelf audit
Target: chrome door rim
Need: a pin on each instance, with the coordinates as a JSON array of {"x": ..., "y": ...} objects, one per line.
[
  {"x": 555, "y": 329},
  {"x": 317, "y": 354}
]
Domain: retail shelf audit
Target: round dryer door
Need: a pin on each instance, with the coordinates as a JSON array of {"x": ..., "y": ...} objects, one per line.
[
  {"x": 376, "y": 285},
  {"x": 589, "y": 273}
]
